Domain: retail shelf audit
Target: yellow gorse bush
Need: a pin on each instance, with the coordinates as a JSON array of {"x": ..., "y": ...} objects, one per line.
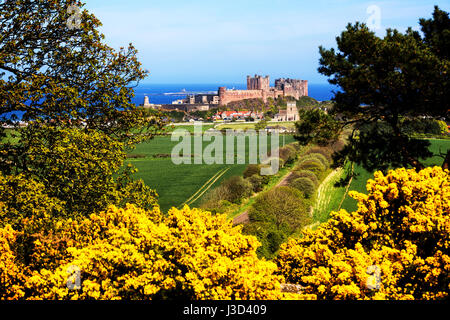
[
  {"x": 132, "y": 253},
  {"x": 400, "y": 231}
]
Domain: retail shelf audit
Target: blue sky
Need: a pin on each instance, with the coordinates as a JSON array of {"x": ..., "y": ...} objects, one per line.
[{"x": 199, "y": 41}]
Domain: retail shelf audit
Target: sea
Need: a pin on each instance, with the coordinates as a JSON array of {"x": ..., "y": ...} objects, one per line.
[{"x": 167, "y": 93}]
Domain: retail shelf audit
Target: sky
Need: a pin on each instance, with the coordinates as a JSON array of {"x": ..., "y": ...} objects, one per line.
[{"x": 210, "y": 41}]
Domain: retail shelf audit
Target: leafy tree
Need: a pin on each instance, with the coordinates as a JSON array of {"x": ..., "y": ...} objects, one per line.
[
  {"x": 395, "y": 246},
  {"x": 280, "y": 206},
  {"x": 382, "y": 80},
  {"x": 74, "y": 94},
  {"x": 261, "y": 125}
]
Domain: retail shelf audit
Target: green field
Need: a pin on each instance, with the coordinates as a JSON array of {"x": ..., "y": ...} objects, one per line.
[
  {"x": 177, "y": 183},
  {"x": 359, "y": 182}
]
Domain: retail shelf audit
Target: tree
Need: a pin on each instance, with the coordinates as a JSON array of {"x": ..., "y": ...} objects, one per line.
[
  {"x": 280, "y": 206},
  {"x": 382, "y": 81},
  {"x": 395, "y": 246},
  {"x": 136, "y": 254},
  {"x": 73, "y": 92},
  {"x": 261, "y": 125},
  {"x": 51, "y": 72}
]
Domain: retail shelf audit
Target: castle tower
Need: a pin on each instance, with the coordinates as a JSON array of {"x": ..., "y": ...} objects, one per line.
[{"x": 258, "y": 83}]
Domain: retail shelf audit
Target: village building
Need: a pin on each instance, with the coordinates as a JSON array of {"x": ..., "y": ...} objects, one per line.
[{"x": 290, "y": 114}]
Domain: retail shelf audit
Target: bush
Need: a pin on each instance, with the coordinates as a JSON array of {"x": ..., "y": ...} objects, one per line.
[
  {"x": 312, "y": 165},
  {"x": 422, "y": 126},
  {"x": 133, "y": 254},
  {"x": 251, "y": 170},
  {"x": 308, "y": 174},
  {"x": 317, "y": 156},
  {"x": 399, "y": 231},
  {"x": 305, "y": 185},
  {"x": 238, "y": 188},
  {"x": 275, "y": 215},
  {"x": 270, "y": 237},
  {"x": 257, "y": 182},
  {"x": 325, "y": 151},
  {"x": 287, "y": 154},
  {"x": 280, "y": 206},
  {"x": 443, "y": 127}
]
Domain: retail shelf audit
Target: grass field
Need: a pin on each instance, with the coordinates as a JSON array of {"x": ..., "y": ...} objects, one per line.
[
  {"x": 359, "y": 182},
  {"x": 177, "y": 183}
]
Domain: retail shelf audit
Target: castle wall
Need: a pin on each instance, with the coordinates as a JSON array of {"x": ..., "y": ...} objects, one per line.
[
  {"x": 259, "y": 88},
  {"x": 227, "y": 96}
]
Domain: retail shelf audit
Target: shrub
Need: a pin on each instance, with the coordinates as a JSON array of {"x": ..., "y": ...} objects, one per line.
[
  {"x": 399, "y": 233},
  {"x": 312, "y": 165},
  {"x": 325, "y": 151},
  {"x": 257, "y": 182},
  {"x": 287, "y": 154},
  {"x": 280, "y": 206},
  {"x": 25, "y": 198},
  {"x": 422, "y": 126},
  {"x": 133, "y": 254},
  {"x": 305, "y": 185},
  {"x": 238, "y": 188},
  {"x": 308, "y": 174},
  {"x": 270, "y": 237},
  {"x": 316, "y": 156},
  {"x": 251, "y": 170},
  {"x": 443, "y": 127}
]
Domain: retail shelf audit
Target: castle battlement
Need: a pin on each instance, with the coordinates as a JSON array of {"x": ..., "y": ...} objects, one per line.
[{"x": 258, "y": 87}]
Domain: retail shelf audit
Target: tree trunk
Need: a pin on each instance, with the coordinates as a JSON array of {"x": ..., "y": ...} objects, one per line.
[{"x": 446, "y": 164}]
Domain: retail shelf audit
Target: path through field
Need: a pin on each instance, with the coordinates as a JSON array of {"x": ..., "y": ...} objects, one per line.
[
  {"x": 243, "y": 217},
  {"x": 200, "y": 192}
]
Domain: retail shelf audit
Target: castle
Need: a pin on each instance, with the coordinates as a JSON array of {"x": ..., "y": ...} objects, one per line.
[{"x": 258, "y": 87}]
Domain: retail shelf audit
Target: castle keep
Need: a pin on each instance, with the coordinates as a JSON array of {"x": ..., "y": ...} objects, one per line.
[{"x": 258, "y": 87}]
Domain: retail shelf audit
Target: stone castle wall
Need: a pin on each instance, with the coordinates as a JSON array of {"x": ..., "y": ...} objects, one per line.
[{"x": 259, "y": 88}]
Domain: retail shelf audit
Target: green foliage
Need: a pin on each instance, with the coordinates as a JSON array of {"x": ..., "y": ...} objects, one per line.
[
  {"x": 281, "y": 206},
  {"x": 305, "y": 185},
  {"x": 269, "y": 236},
  {"x": 232, "y": 190},
  {"x": 381, "y": 81},
  {"x": 274, "y": 216},
  {"x": 316, "y": 126},
  {"x": 238, "y": 188},
  {"x": 251, "y": 170},
  {"x": 317, "y": 156},
  {"x": 23, "y": 198},
  {"x": 377, "y": 147},
  {"x": 261, "y": 125},
  {"x": 76, "y": 166},
  {"x": 325, "y": 151},
  {"x": 257, "y": 182},
  {"x": 306, "y": 101},
  {"x": 312, "y": 165},
  {"x": 288, "y": 154},
  {"x": 307, "y": 174},
  {"x": 423, "y": 126},
  {"x": 68, "y": 76}
]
